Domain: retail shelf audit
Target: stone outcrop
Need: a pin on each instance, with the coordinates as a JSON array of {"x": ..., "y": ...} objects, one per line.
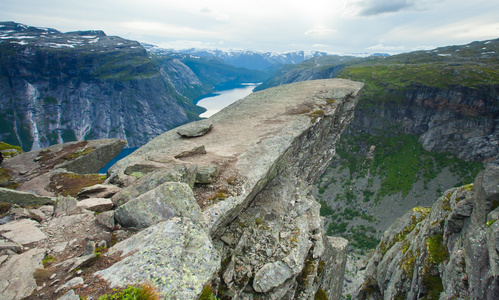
[
  {"x": 448, "y": 252},
  {"x": 268, "y": 148},
  {"x": 23, "y": 198},
  {"x": 43, "y": 171}
]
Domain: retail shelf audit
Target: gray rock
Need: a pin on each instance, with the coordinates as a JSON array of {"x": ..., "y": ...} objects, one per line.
[
  {"x": 207, "y": 174},
  {"x": 66, "y": 206},
  {"x": 98, "y": 191},
  {"x": 14, "y": 247},
  {"x": 170, "y": 173},
  {"x": 37, "y": 215},
  {"x": 191, "y": 152},
  {"x": 162, "y": 203},
  {"x": 16, "y": 275},
  {"x": 453, "y": 244},
  {"x": 23, "y": 198},
  {"x": 77, "y": 262},
  {"x": 103, "y": 151},
  {"x": 22, "y": 231},
  {"x": 195, "y": 129},
  {"x": 89, "y": 248},
  {"x": 486, "y": 187},
  {"x": 176, "y": 256},
  {"x": 3, "y": 258},
  {"x": 106, "y": 219},
  {"x": 271, "y": 275},
  {"x": 96, "y": 204},
  {"x": 334, "y": 263},
  {"x": 69, "y": 295},
  {"x": 71, "y": 284}
]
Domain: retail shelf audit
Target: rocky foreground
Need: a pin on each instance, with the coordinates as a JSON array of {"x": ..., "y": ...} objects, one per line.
[
  {"x": 223, "y": 203},
  {"x": 448, "y": 251}
]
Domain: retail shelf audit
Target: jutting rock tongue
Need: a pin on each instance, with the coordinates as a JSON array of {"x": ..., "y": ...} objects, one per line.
[{"x": 261, "y": 234}]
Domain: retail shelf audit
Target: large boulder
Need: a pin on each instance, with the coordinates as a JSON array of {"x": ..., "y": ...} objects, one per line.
[
  {"x": 35, "y": 170},
  {"x": 23, "y": 198},
  {"x": 171, "y": 199},
  {"x": 176, "y": 256},
  {"x": 151, "y": 180}
]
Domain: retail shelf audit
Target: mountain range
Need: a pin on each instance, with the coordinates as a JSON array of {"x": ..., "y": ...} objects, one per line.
[{"x": 57, "y": 87}]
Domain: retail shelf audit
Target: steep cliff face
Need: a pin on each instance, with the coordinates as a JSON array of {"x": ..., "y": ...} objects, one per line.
[
  {"x": 57, "y": 87},
  {"x": 425, "y": 123},
  {"x": 447, "y": 252}
]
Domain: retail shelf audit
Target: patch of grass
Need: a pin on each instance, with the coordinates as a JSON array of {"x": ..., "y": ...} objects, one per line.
[
  {"x": 437, "y": 251},
  {"x": 47, "y": 259},
  {"x": 5, "y": 146},
  {"x": 5, "y": 179},
  {"x": 208, "y": 293},
  {"x": 142, "y": 292},
  {"x": 220, "y": 195},
  {"x": 42, "y": 275},
  {"x": 325, "y": 209},
  {"x": 79, "y": 152},
  {"x": 320, "y": 295},
  {"x": 69, "y": 184}
]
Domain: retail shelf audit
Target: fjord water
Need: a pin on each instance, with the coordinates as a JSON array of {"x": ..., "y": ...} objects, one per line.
[{"x": 217, "y": 100}]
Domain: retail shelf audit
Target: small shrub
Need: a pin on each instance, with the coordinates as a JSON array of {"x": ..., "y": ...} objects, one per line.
[
  {"x": 4, "y": 208},
  {"x": 141, "y": 292},
  {"x": 321, "y": 295},
  {"x": 47, "y": 259},
  {"x": 207, "y": 293},
  {"x": 42, "y": 275}
]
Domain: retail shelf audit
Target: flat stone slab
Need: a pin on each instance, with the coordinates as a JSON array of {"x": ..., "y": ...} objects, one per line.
[
  {"x": 24, "y": 231},
  {"x": 16, "y": 275},
  {"x": 96, "y": 204},
  {"x": 195, "y": 129}
]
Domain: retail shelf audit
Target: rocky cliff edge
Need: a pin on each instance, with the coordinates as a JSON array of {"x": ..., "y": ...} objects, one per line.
[{"x": 253, "y": 228}]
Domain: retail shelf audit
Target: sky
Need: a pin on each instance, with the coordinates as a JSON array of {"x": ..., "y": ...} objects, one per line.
[{"x": 335, "y": 26}]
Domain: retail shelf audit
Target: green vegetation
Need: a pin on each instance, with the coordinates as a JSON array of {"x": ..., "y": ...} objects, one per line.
[
  {"x": 79, "y": 153},
  {"x": 4, "y": 146},
  {"x": 321, "y": 295},
  {"x": 47, "y": 259},
  {"x": 437, "y": 251},
  {"x": 401, "y": 161},
  {"x": 69, "y": 184},
  {"x": 142, "y": 292},
  {"x": 207, "y": 293},
  {"x": 49, "y": 100}
]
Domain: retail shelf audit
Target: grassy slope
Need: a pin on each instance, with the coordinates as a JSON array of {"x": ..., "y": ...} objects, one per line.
[{"x": 399, "y": 163}]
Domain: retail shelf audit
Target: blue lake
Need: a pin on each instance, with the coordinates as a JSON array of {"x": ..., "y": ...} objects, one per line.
[{"x": 215, "y": 101}]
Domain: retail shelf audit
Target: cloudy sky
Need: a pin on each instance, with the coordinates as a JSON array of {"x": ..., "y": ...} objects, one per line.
[{"x": 337, "y": 26}]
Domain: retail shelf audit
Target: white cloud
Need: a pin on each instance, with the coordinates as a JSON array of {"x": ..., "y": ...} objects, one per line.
[
  {"x": 381, "y": 47},
  {"x": 320, "y": 32},
  {"x": 367, "y": 8}
]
